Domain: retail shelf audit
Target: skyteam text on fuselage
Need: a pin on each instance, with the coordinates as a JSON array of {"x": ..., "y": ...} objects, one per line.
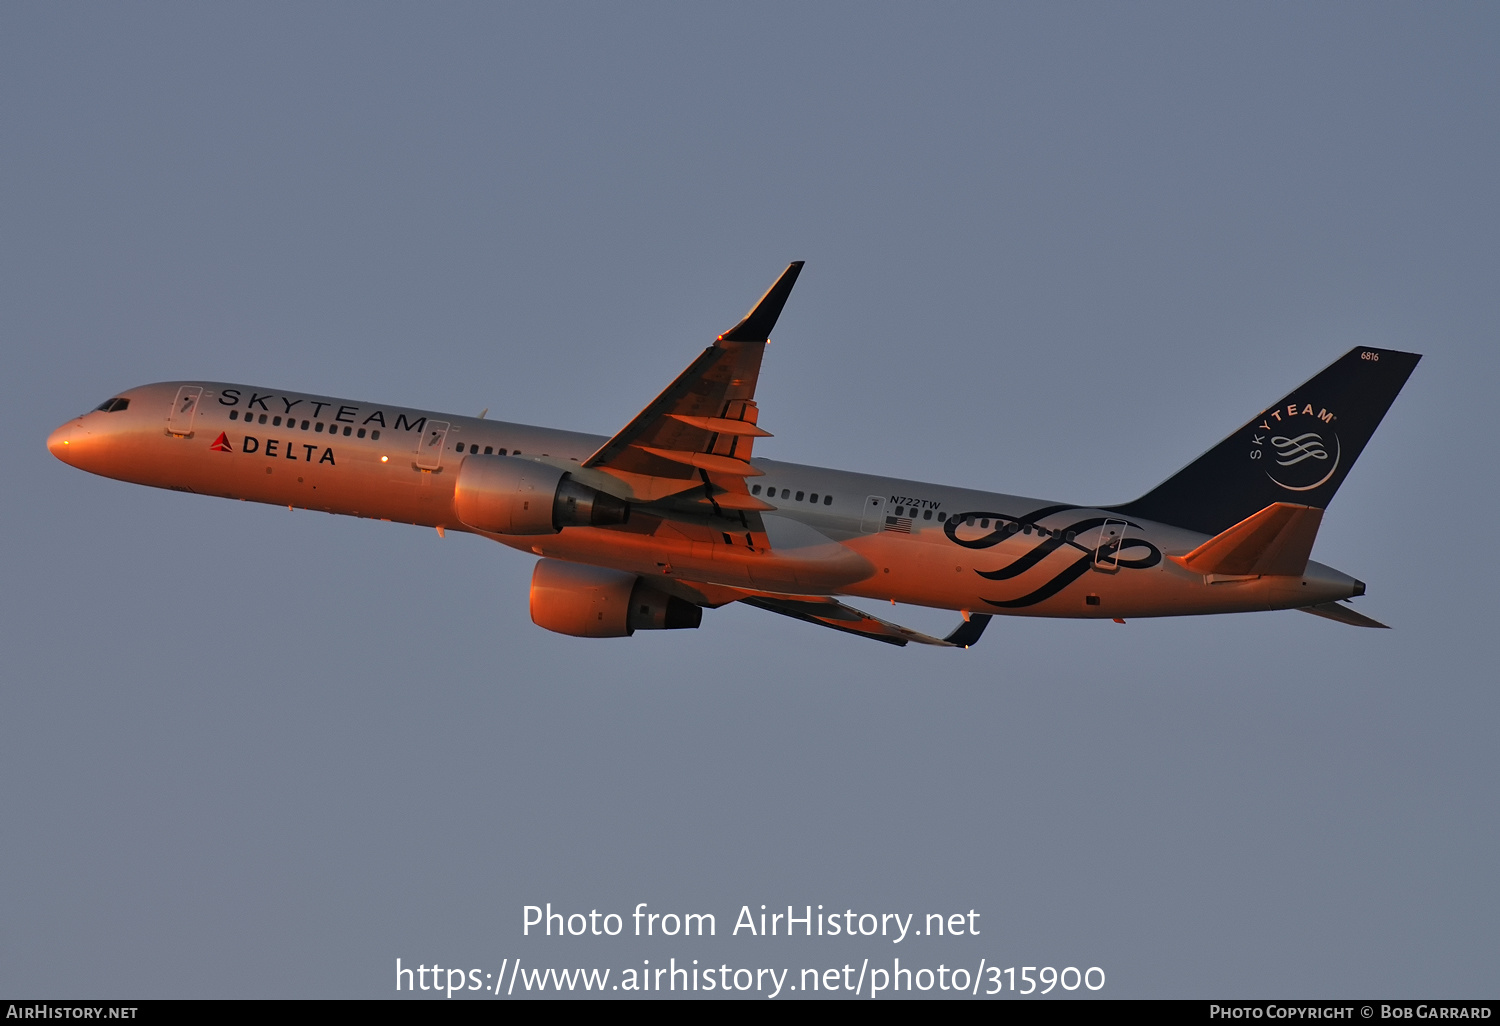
[{"x": 674, "y": 514}]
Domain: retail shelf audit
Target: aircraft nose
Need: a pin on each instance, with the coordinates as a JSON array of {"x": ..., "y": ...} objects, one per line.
[{"x": 63, "y": 441}]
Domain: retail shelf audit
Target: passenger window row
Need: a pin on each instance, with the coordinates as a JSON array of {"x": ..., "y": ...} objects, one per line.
[
  {"x": 902, "y": 511},
  {"x": 1013, "y": 527},
  {"x": 786, "y": 493},
  {"x": 984, "y": 522},
  {"x": 291, "y": 422}
]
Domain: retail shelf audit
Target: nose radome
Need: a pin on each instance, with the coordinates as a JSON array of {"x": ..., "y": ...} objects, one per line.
[{"x": 61, "y": 440}]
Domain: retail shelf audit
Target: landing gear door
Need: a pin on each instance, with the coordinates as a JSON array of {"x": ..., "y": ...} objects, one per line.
[
  {"x": 430, "y": 446},
  {"x": 184, "y": 407},
  {"x": 874, "y": 516},
  {"x": 1107, "y": 553}
]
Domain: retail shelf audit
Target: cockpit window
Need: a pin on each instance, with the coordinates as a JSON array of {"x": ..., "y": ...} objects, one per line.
[{"x": 112, "y": 405}]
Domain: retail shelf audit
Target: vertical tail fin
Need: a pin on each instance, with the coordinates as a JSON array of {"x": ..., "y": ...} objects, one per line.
[{"x": 1298, "y": 451}]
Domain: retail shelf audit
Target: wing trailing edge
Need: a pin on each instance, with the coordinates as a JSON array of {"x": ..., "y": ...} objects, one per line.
[{"x": 827, "y": 612}]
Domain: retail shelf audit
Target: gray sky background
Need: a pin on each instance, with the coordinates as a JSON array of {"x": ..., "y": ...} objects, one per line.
[{"x": 1056, "y": 250}]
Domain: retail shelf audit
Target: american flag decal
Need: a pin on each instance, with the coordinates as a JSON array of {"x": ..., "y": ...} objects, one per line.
[{"x": 901, "y": 525}]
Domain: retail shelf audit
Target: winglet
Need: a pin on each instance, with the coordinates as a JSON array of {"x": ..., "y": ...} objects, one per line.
[
  {"x": 969, "y": 631},
  {"x": 757, "y": 325}
]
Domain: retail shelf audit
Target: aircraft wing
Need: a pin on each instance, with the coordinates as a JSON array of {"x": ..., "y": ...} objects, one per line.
[
  {"x": 831, "y": 613},
  {"x": 695, "y": 439}
]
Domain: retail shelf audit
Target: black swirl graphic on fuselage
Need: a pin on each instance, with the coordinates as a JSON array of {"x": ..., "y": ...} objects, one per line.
[{"x": 1007, "y": 527}]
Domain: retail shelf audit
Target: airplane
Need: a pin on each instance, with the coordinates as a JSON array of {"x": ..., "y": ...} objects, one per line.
[{"x": 675, "y": 514}]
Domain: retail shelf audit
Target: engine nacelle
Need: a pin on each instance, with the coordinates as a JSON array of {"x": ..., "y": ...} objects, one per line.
[
  {"x": 508, "y": 495},
  {"x": 596, "y": 602}
]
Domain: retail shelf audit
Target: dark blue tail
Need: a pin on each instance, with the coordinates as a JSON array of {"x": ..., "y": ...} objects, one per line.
[{"x": 1297, "y": 451}]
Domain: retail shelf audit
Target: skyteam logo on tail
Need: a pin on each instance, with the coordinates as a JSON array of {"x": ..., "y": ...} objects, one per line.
[{"x": 1297, "y": 446}]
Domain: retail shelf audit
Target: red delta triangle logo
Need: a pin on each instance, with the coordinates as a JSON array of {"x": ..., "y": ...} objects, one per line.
[{"x": 221, "y": 444}]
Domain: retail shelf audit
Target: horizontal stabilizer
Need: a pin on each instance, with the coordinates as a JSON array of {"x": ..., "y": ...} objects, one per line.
[
  {"x": 1343, "y": 614},
  {"x": 1276, "y": 542},
  {"x": 828, "y": 612}
]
